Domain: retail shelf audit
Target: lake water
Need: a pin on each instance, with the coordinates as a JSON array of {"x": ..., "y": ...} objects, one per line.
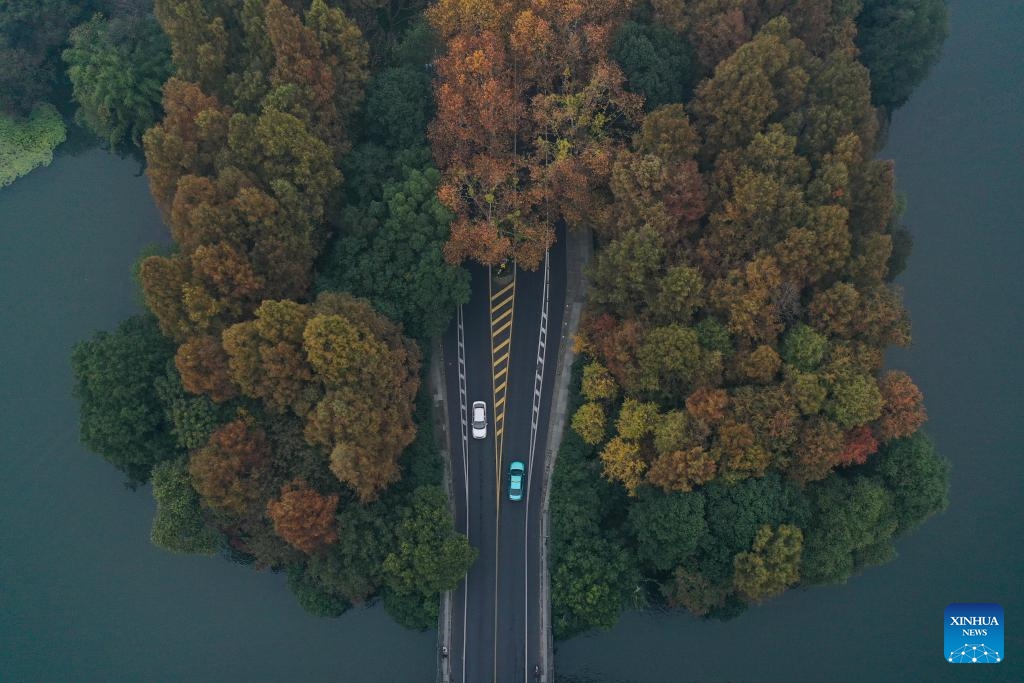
[{"x": 84, "y": 596}]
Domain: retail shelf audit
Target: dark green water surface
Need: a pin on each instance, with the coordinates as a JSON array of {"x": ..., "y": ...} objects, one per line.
[{"x": 84, "y": 596}]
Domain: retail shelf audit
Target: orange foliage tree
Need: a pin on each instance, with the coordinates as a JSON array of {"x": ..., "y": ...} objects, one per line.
[
  {"x": 903, "y": 412},
  {"x": 304, "y": 517},
  {"x": 232, "y": 472},
  {"x": 528, "y": 107},
  {"x": 345, "y": 369}
]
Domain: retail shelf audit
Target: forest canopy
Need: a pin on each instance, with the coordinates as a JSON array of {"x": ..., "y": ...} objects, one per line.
[
  {"x": 326, "y": 167},
  {"x": 735, "y": 418},
  {"x": 281, "y": 416}
]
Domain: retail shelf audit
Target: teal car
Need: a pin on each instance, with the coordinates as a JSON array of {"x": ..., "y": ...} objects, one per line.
[{"x": 516, "y": 477}]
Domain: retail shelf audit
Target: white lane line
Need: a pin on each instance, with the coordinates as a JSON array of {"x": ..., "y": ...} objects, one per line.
[
  {"x": 464, "y": 415},
  {"x": 538, "y": 386},
  {"x": 464, "y": 411}
]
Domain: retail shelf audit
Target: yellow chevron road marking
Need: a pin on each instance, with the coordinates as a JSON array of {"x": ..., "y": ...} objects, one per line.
[{"x": 505, "y": 289}]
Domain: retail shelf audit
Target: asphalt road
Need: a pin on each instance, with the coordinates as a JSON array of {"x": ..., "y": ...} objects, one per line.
[{"x": 496, "y": 620}]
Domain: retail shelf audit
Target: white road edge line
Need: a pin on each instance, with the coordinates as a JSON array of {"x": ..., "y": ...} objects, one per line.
[
  {"x": 463, "y": 408},
  {"x": 538, "y": 386}
]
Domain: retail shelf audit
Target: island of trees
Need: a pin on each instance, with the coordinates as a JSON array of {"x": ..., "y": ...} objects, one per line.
[
  {"x": 325, "y": 167},
  {"x": 735, "y": 432},
  {"x": 274, "y": 391}
]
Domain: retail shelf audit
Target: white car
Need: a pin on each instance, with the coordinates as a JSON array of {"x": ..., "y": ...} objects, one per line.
[{"x": 479, "y": 420}]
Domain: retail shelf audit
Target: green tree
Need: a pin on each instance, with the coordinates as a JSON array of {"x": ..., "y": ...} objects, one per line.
[
  {"x": 735, "y": 512},
  {"x": 590, "y": 579},
  {"x": 852, "y": 526},
  {"x": 353, "y": 566},
  {"x": 855, "y": 400},
  {"x": 657, "y": 62},
  {"x": 393, "y": 255},
  {"x": 193, "y": 418},
  {"x": 671, "y": 359},
  {"x": 589, "y": 423},
  {"x": 803, "y": 348},
  {"x": 178, "y": 525},
  {"x": 580, "y": 496},
  {"x": 117, "y": 69},
  {"x": 398, "y": 107},
  {"x": 29, "y": 142},
  {"x": 430, "y": 556},
  {"x": 773, "y": 564},
  {"x": 899, "y": 40},
  {"x": 680, "y": 294},
  {"x": 121, "y": 416},
  {"x": 714, "y": 336},
  {"x": 668, "y": 527},
  {"x": 917, "y": 478},
  {"x": 414, "y": 610},
  {"x": 32, "y": 33},
  {"x": 625, "y": 272}
]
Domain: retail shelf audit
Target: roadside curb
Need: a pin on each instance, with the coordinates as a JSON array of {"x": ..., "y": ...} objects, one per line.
[{"x": 579, "y": 249}]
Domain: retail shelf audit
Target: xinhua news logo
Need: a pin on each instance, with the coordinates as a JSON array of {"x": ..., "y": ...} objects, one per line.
[{"x": 974, "y": 633}]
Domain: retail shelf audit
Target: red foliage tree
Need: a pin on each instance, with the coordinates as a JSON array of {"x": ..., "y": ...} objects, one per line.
[
  {"x": 860, "y": 443},
  {"x": 903, "y": 412}
]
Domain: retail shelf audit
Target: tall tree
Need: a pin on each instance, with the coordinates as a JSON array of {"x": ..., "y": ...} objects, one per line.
[
  {"x": 178, "y": 525},
  {"x": 117, "y": 69},
  {"x": 903, "y": 412},
  {"x": 899, "y": 40},
  {"x": 394, "y": 255},
  {"x": 32, "y": 33},
  {"x": 121, "y": 416},
  {"x": 304, "y": 517},
  {"x": 232, "y": 472},
  {"x": 772, "y": 565},
  {"x": 430, "y": 556},
  {"x": 657, "y": 63},
  {"x": 917, "y": 478},
  {"x": 853, "y": 527},
  {"x": 668, "y": 527}
]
